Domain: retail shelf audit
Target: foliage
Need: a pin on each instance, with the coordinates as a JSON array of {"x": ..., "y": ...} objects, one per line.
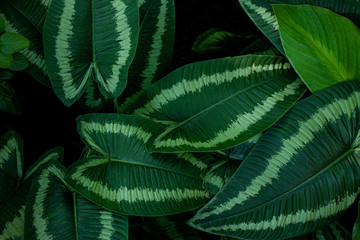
[{"x": 233, "y": 146}]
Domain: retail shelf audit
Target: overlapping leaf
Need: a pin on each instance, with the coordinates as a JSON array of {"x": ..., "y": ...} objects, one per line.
[
  {"x": 54, "y": 212},
  {"x": 218, "y": 103},
  {"x": 323, "y": 47},
  {"x": 301, "y": 175},
  {"x": 334, "y": 231},
  {"x": 261, "y": 12},
  {"x": 90, "y": 40},
  {"x": 154, "y": 50},
  {"x": 124, "y": 177},
  {"x": 27, "y": 18}
]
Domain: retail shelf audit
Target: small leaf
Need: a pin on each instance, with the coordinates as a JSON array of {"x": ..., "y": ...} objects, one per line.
[
  {"x": 6, "y": 75},
  {"x": 11, "y": 43},
  {"x": 322, "y": 46},
  {"x": 6, "y": 60},
  {"x": 19, "y": 62}
]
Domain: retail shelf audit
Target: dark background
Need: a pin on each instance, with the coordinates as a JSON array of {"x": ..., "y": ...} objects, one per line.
[{"x": 46, "y": 123}]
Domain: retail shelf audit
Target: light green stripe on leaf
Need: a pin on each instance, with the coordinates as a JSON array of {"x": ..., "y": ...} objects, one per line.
[
  {"x": 193, "y": 160},
  {"x": 15, "y": 228},
  {"x": 187, "y": 86},
  {"x": 107, "y": 230},
  {"x": 300, "y": 217},
  {"x": 240, "y": 124},
  {"x": 265, "y": 14},
  {"x": 289, "y": 147}
]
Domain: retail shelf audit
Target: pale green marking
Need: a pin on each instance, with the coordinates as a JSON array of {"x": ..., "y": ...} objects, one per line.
[
  {"x": 215, "y": 180},
  {"x": 134, "y": 195},
  {"x": 265, "y": 14},
  {"x": 123, "y": 32},
  {"x": 107, "y": 229},
  {"x": 192, "y": 159},
  {"x": 91, "y": 100},
  {"x": 290, "y": 146},
  {"x": 30, "y": 55},
  {"x": 54, "y": 156},
  {"x": 156, "y": 47},
  {"x": 238, "y": 126},
  {"x": 63, "y": 53},
  {"x": 141, "y": 2},
  {"x": 301, "y": 216},
  {"x": 15, "y": 228},
  {"x": 40, "y": 222},
  {"x": 6, "y": 150},
  {"x": 112, "y": 128},
  {"x": 197, "y": 85},
  {"x": 45, "y": 3}
]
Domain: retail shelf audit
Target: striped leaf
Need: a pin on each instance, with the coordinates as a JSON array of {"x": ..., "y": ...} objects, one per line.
[
  {"x": 90, "y": 41},
  {"x": 125, "y": 178},
  {"x": 261, "y": 46},
  {"x": 323, "y": 47},
  {"x": 14, "y": 187},
  {"x": 219, "y": 103},
  {"x": 301, "y": 175},
  {"x": 262, "y": 14},
  {"x": 333, "y": 231},
  {"x": 154, "y": 50},
  {"x": 26, "y": 17},
  {"x": 54, "y": 212},
  {"x": 240, "y": 151}
]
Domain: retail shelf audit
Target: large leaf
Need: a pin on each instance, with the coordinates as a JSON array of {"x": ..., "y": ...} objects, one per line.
[
  {"x": 154, "y": 50},
  {"x": 125, "y": 178},
  {"x": 90, "y": 40},
  {"x": 300, "y": 176},
  {"x": 261, "y": 12},
  {"x": 219, "y": 103},
  {"x": 323, "y": 47},
  {"x": 26, "y": 17},
  {"x": 54, "y": 212}
]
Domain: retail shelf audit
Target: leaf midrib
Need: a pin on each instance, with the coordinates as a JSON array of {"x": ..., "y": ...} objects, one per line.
[{"x": 351, "y": 150}]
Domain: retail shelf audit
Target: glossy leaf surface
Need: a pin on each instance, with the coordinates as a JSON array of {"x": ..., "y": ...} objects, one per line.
[
  {"x": 124, "y": 177},
  {"x": 219, "y": 103},
  {"x": 301, "y": 175},
  {"x": 323, "y": 47},
  {"x": 90, "y": 40}
]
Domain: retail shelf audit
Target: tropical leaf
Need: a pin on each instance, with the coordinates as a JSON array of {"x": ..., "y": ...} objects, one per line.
[
  {"x": 334, "y": 231},
  {"x": 214, "y": 40},
  {"x": 8, "y": 100},
  {"x": 92, "y": 100},
  {"x": 261, "y": 13},
  {"x": 154, "y": 50},
  {"x": 54, "y": 212},
  {"x": 6, "y": 60},
  {"x": 19, "y": 62},
  {"x": 90, "y": 41},
  {"x": 6, "y": 75},
  {"x": 27, "y": 18},
  {"x": 123, "y": 177},
  {"x": 11, "y": 43},
  {"x": 217, "y": 104},
  {"x": 356, "y": 228},
  {"x": 323, "y": 47},
  {"x": 301, "y": 175},
  {"x": 261, "y": 46},
  {"x": 240, "y": 151}
]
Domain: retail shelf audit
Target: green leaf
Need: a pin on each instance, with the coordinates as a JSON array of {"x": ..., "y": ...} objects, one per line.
[
  {"x": 26, "y": 17},
  {"x": 92, "y": 100},
  {"x": 19, "y": 62},
  {"x": 154, "y": 50},
  {"x": 90, "y": 41},
  {"x": 217, "y": 104},
  {"x": 6, "y": 60},
  {"x": 323, "y": 47},
  {"x": 8, "y": 100},
  {"x": 356, "y": 228},
  {"x": 54, "y": 212},
  {"x": 302, "y": 174},
  {"x": 334, "y": 231},
  {"x": 214, "y": 40},
  {"x": 125, "y": 178},
  {"x": 240, "y": 151},
  {"x": 262, "y": 14},
  {"x": 261, "y": 46},
  {"x": 6, "y": 75},
  {"x": 11, "y": 43}
]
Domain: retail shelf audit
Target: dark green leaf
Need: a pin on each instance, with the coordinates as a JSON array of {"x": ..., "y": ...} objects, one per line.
[
  {"x": 6, "y": 60},
  {"x": 19, "y": 62},
  {"x": 90, "y": 41},
  {"x": 6, "y": 75},
  {"x": 302, "y": 174},
  {"x": 334, "y": 231},
  {"x": 11, "y": 43},
  {"x": 8, "y": 100},
  {"x": 356, "y": 228}
]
